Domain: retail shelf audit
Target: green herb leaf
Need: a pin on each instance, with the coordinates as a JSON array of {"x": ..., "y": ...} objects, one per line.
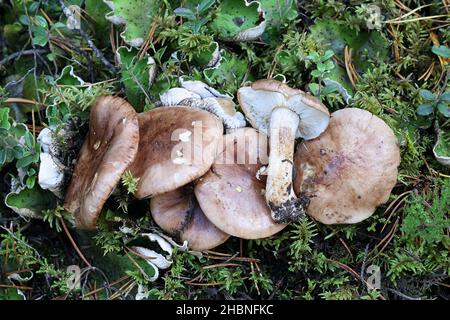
[
  {"x": 205, "y": 5},
  {"x": 185, "y": 13},
  {"x": 445, "y": 96},
  {"x": 444, "y": 108},
  {"x": 442, "y": 51},
  {"x": 427, "y": 94},
  {"x": 425, "y": 109}
]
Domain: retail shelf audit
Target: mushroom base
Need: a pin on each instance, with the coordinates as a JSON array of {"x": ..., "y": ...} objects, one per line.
[{"x": 293, "y": 210}]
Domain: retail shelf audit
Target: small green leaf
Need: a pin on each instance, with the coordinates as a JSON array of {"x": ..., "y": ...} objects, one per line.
[
  {"x": 68, "y": 77},
  {"x": 316, "y": 73},
  {"x": 26, "y": 161},
  {"x": 321, "y": 67},
  {"x": 135, "y": 75},
  {"x": 23, "y": 19},
  {"x": 29, "y": 139},
  {"x": 40, "y": 21},
  {"x": 234, "y": 19},
  {"x": 206, "y": 56},
  {"x": 205, "y": 5},
  {"x": 17, "y": 152},
  {"x": 427, "y": 94},
  {"x": 314, "y": 56},
  {"x": 11, "y": 294},
  {"x": 442, "y": 146},
  {"x": 31, "y": 180},
  {"x": 278, "y": 13},
  {"x": 34, "y": 6},
  {"x": 442, "y": 51},
  {"x": 51, "y": 57},
  {"x": 327, "y": 55},
  {"x": 314, "y": 88},
  {"x": 332, "y": 87},
  {"x": 425, "y": 109},
  {"x": 185, "y": 13},
  {"x": 445, "y": 96},
  {"x": 40, "y": 36},
  {"x": 97, "y": 10},
  {"x": 329, "y": 65},
  {"x": 444, "y": 108},
  {"x": 4, "y": 118},
  {"x": 33, "y": 200},
  {"x": 2, "y": 156}
]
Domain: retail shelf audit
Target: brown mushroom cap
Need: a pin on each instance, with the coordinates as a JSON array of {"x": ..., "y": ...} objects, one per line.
[
  {"x": 110, "y": 146},
  {"x": 350, "y": 169},
  {"x": 177, "y": 212},
  {"x": 230, "y": 194},
  {"x": 177, "y": 145}
]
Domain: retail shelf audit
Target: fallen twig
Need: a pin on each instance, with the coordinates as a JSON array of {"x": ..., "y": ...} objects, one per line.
[{"x": 23, "y": 53}]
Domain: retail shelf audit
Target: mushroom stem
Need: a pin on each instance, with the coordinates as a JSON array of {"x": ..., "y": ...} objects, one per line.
[{"x": 280, "y": 196}]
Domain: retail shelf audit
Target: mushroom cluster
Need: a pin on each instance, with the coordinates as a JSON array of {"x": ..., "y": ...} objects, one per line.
[
  {"x": 205, "y": 186},
  {"x": 185, "y": 165}
]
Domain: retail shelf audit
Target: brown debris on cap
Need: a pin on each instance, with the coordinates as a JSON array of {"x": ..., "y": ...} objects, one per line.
[
  {"x": 350, "y": 169},
  {"x": 231, "y": 195},
  {"x": 177, "y": 212},
  {"x": 177, "y": 145},
  {"x": 109, "y": 148}
]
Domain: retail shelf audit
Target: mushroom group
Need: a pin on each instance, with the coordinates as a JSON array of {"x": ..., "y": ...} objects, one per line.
[{"x": 205, "y": 186}]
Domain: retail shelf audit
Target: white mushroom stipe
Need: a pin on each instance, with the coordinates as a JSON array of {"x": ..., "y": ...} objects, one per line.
[
  {"x": 279, "y": 192},
  {"x": 285, "y": 114}
]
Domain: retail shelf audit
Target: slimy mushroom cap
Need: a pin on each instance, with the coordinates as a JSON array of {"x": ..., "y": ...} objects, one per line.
[
  {"x": 177, "y": 212},
  {"x": 110, "y": 146},
  {"x": 231, "y": 195},
  {"x": 177, "y": 145},
  {"x": 350, "y": 169}
]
